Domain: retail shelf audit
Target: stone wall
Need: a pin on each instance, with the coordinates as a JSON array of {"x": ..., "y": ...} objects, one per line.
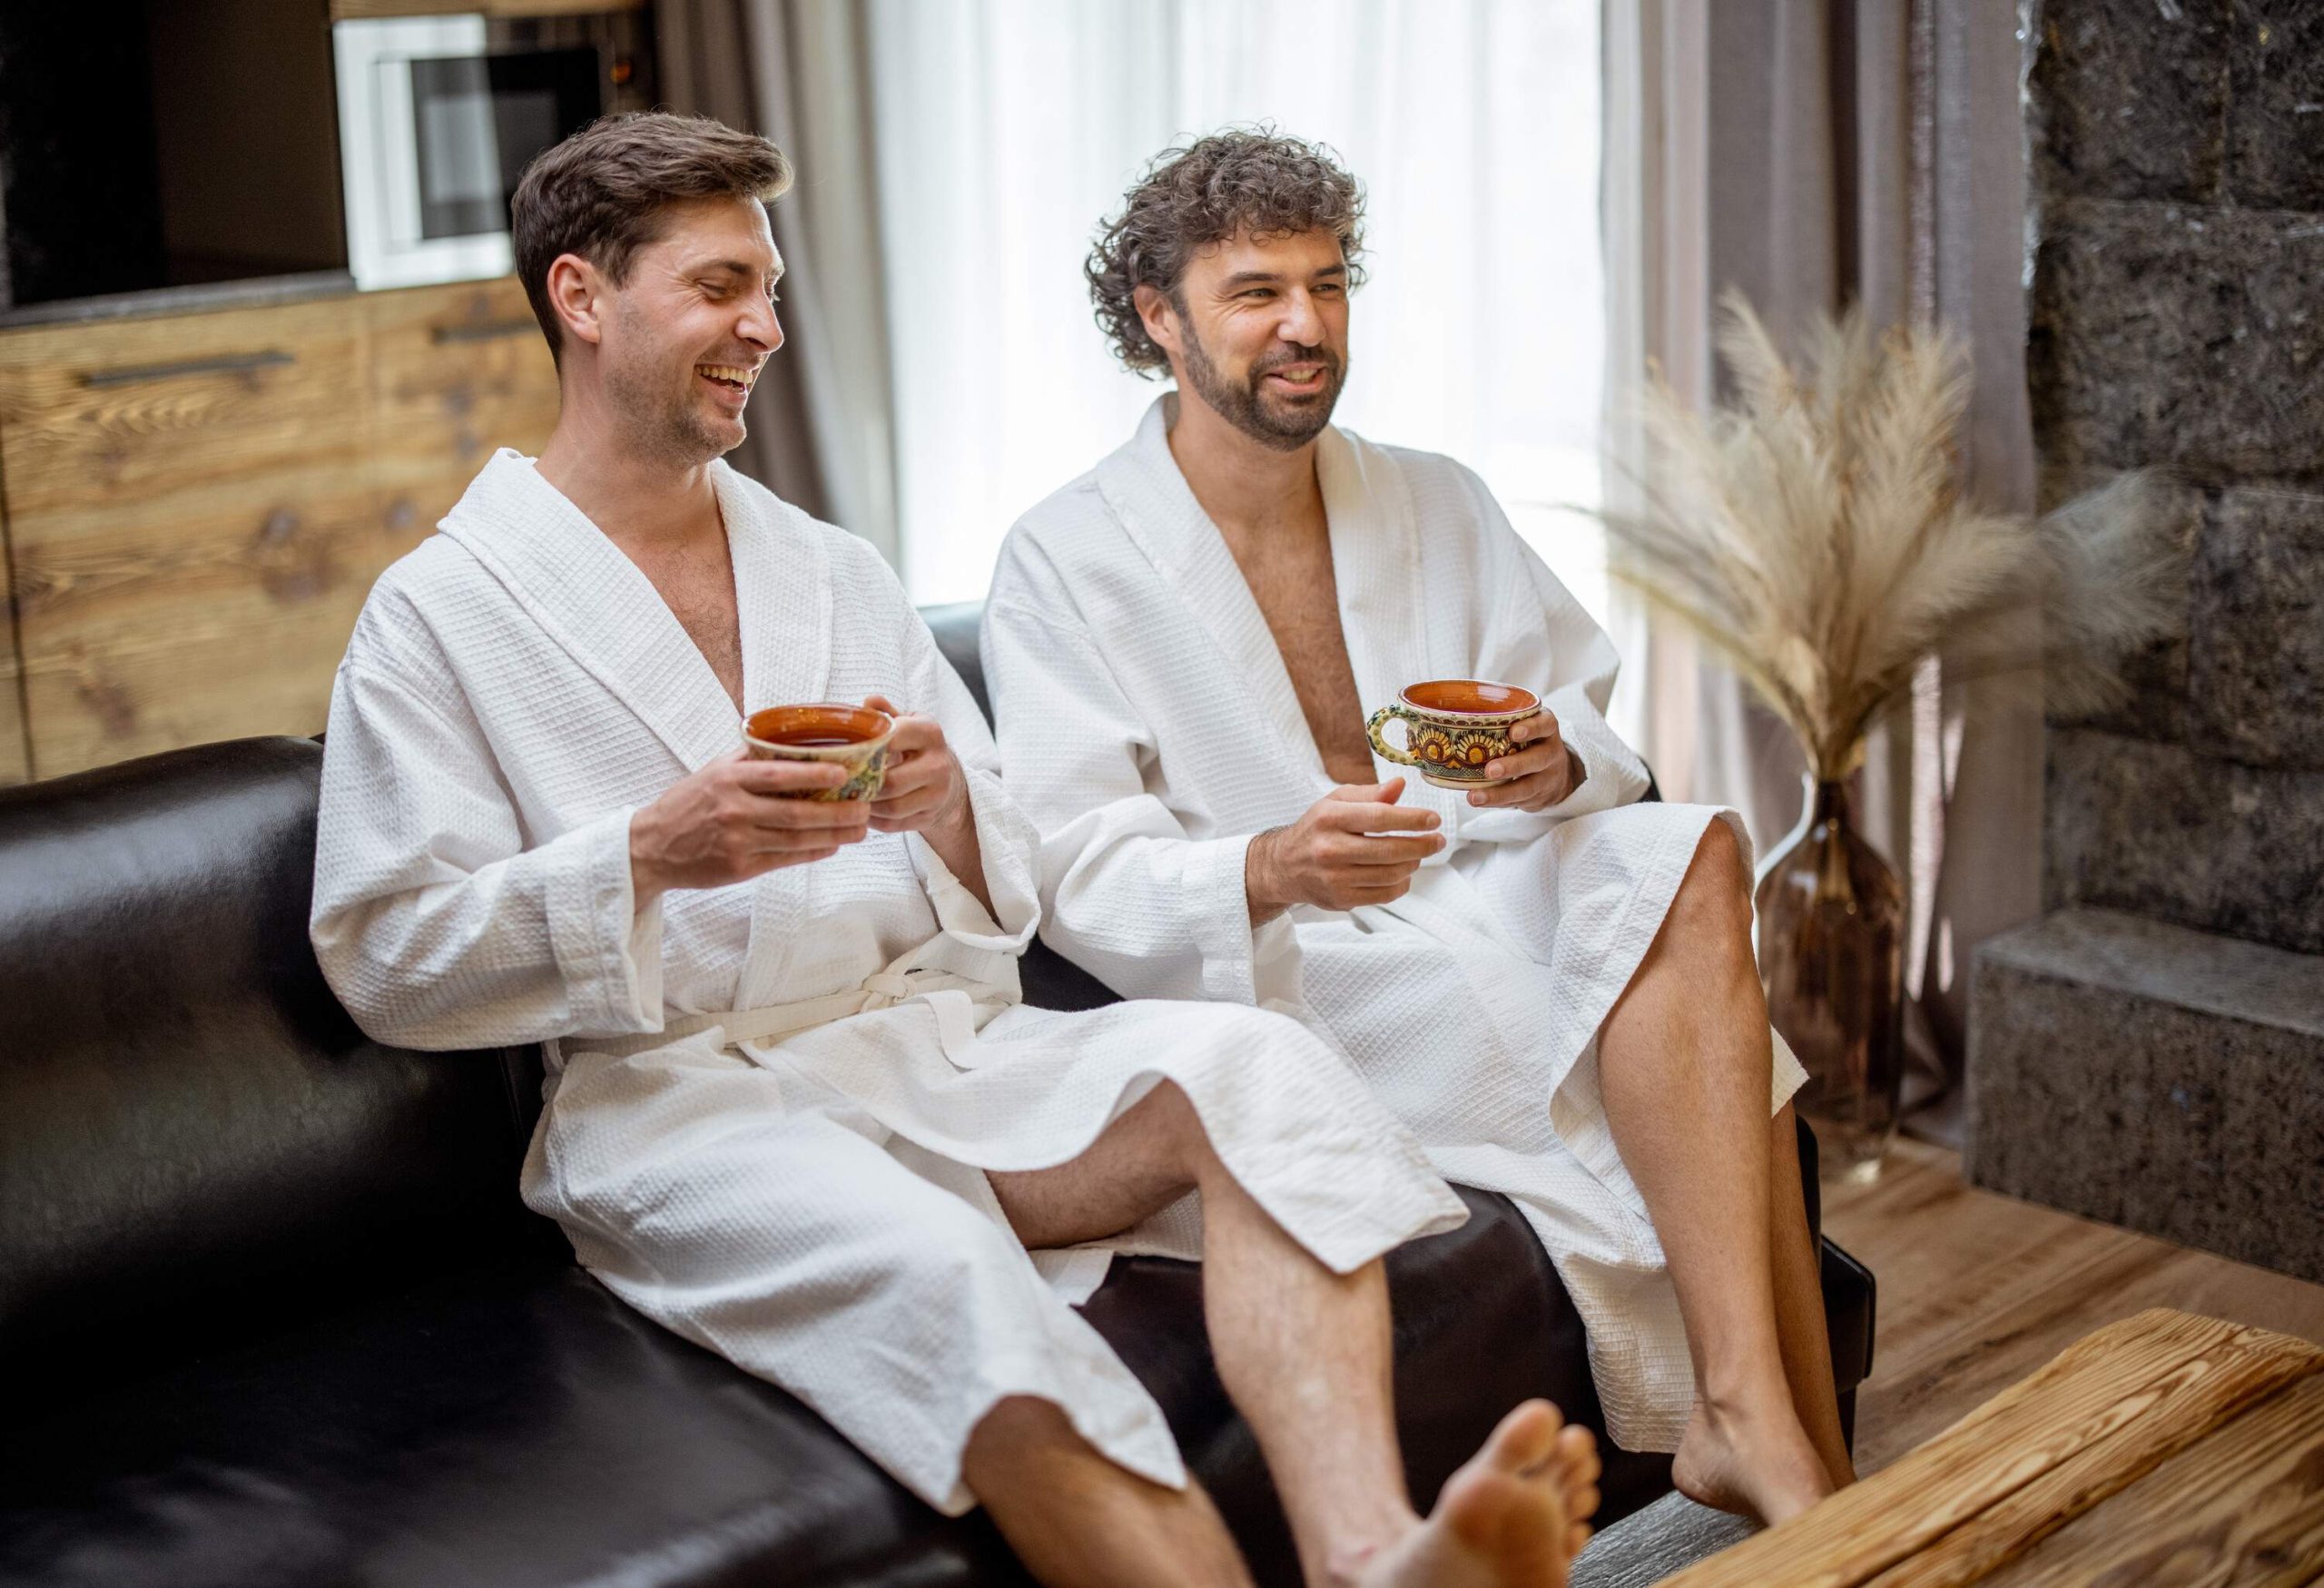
[{"x": 2178, "y": 322}]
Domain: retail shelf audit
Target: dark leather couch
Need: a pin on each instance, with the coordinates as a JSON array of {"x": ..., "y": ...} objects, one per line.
[{"x": 271, "y": 1311}]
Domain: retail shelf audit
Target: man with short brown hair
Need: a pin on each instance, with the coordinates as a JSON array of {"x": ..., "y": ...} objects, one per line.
[
  {"x": 1552, "y": 984},
  {"x": 796, "y": 1110}
]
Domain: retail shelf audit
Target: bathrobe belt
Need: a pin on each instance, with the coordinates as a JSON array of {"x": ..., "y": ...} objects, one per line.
[{"x": 954, "y": 999}]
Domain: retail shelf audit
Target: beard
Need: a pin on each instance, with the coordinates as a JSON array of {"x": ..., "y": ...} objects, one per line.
[
  {"x": 660, "y": 423},
  {"x": 1283, "y": 424}
]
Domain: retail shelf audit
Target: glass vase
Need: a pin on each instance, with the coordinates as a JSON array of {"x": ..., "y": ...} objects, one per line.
[{"x": 1831, "y": 955}]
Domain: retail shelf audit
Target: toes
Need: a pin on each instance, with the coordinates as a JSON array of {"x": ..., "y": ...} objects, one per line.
[
  {"x": 1526, "y": 1437},
  {"x": 1576, "y": 1536}
]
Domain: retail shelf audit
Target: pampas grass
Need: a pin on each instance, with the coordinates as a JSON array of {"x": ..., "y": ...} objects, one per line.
[{"x": 1814, "y": 533}]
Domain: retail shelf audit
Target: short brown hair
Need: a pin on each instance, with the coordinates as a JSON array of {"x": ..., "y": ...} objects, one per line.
[
  {"x": 600, "y": 194},
  {"x": 1244, "y": 179}
]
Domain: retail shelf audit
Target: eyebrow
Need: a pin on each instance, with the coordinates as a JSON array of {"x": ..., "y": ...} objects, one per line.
[
  {"x": 1246, "y": 278},
  {"x": 736, "y": 267}
]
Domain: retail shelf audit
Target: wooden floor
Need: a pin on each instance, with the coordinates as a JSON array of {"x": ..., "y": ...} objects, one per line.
[{"x": 1978, "y": 1290}]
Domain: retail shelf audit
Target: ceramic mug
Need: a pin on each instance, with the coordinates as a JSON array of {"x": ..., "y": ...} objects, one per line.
[
  {"x": 854, "y": 737},
  {"x": 1453, "y": 727}
]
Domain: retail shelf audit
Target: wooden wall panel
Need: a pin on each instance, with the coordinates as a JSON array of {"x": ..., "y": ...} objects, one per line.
[
  {"x": 132, "y": 412},
  {"x": 16, "y": 753},
  {"x": 455, "y": 373},
  {"x": 229, "y": 621},
  {"x": 199, "y": 505}
]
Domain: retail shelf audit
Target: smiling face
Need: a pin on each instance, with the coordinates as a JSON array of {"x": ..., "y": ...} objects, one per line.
[
  {"x": 1257, "y": 332},
  {"x": 681, "y": 341}
]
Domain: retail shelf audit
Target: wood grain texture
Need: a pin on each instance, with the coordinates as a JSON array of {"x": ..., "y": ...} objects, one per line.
[
  {"x": 2095, "y": 1389},
  {"x": 455, "y": 373},
  {"x": 2243, "y": 1507},
  {"x": 128, "y": 413},
  {"x": 198, "y": 506},
  {"x": 2180, "y": 1409},
  {"x": 1977, "y": 1290},
  {"x": 16, "y": 750},
  {"x": 231, "y": 621}
]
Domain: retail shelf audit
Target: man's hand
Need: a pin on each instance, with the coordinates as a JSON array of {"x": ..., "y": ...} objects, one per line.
[
  {"x": 1539, "y": 774},
  {"x": 1354, "y": 846},
  {"x": 924, "y": 786},
  {"x": 729, "y": 823}
]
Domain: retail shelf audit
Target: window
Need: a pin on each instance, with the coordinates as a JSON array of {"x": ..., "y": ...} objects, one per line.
[{"x": 1009, "y": 128}]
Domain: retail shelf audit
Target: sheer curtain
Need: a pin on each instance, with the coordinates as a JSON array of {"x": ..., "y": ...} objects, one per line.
[
  {"x": 1817, "y": 153},
  {"x": 1007, "y": 129}
]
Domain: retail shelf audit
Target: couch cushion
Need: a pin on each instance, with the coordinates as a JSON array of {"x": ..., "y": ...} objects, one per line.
[
  {"x": 955, "y": 628},
  {"x": 516, "y": 1425},
  {"x": 193, "y": 1133}
]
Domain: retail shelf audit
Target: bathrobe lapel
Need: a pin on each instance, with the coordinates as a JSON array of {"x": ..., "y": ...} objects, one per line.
[
  {"x": 1375, "y": 564},
  {"x": 783, "y": 595},
  {"x": 603, "y": 611},
  {"x": 1150, "y": 497},
  {"x": 597, "y": 605}
]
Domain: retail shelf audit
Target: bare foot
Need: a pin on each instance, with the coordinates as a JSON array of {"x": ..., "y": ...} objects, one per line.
[
  {"x": 1515, "y": 1516},
  {"x": 1760, "y": 1465}
]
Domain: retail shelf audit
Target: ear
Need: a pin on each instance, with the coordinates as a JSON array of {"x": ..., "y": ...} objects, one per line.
[
  {"x": 1161, "y": 320},
  {"x": 575, "y": 292}
]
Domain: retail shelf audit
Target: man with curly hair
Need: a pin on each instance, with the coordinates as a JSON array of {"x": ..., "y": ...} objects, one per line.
[{"x": 1550, "y": 980}]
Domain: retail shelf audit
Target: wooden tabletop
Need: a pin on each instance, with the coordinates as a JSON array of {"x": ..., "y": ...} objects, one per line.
[{"x": 2166, "y": 1448}]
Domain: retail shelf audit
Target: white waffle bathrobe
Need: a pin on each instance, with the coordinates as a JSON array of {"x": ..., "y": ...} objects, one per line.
[
  {"x": 813, "y": 1208},
  {"x": 1147, "y": 724}
]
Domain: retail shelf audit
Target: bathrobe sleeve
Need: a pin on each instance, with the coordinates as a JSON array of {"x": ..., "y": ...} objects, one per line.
[
  {"x": 1537, "y": 635},
  {"x": 1131, "y": 897},
  {"x": 434, "y": 922}
]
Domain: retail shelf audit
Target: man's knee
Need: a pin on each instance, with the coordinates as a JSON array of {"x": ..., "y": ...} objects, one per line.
[
  {"x": 1016, "y": 1428},
  {"x": 1715, "y": 893},
  {"x": 1167, "y": 1118}
]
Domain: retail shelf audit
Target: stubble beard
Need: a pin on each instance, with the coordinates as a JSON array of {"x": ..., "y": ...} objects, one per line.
[
  {"x": 1245, "y": 406},
  {"x": 669, "y": 429}
]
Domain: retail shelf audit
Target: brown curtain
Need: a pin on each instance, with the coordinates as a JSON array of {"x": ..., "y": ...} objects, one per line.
[
  {"x": 797, "y": 71},
  {"x": 1816, "y": 154}
]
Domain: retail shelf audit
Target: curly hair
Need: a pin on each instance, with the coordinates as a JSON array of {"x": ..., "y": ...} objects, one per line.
[{"x": 1244, "y": 179}]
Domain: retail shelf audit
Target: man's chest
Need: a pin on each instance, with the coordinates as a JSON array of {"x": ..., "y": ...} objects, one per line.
[
  {"x": 699, "y": 591},
  {"x": 1298, "y": 597}
]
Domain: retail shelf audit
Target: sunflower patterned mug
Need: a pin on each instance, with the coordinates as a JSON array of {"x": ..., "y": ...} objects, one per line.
[{"x": 1453, "y": 727}]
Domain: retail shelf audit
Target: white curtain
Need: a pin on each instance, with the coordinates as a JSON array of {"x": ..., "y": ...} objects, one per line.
[{"x": 1008, "y": 129}]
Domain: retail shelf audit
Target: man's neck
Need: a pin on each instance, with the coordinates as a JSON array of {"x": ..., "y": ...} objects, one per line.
[
  {"x": 1242, "y": 485},
  {"x": 644, "y": 502}
]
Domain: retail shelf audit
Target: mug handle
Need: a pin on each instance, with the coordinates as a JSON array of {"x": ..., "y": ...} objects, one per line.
[{"x": 1378, "y": 720}]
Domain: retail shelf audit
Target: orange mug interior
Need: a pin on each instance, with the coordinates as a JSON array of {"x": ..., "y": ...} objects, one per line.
[
  {"x": 817, "y": 727},
  {"x": 1470, "y": 697}
]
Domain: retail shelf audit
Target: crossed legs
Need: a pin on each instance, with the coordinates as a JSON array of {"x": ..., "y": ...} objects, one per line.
[
  {"x": 1305, "y": 1355},
  {"x": 1685, "y": 1059}
]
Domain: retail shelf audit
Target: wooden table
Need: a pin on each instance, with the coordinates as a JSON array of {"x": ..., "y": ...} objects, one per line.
[{"x": 2164, "y": 1449}]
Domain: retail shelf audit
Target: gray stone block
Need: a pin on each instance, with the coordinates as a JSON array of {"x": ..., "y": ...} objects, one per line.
[
  {"x": 2167, "y": 833},
  {"x": 2163, "y": 333},
  {"x": 2275, "y": 133},
  {"x": 2156, "y": 1078},
  {"x": 2130, "y": 99},
  {"x": 2256, "y": 653}
]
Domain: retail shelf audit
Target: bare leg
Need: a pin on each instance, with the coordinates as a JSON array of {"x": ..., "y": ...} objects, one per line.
[
  {"x": 1685, "y": 1059},
  {"x": 1799, "y": 1306},
  {"x": 1076, "y": 1518},
  {"x": 1306, "y": 1356}
]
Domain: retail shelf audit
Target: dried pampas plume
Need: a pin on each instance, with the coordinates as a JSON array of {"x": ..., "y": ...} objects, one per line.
[{"x": 1813, "y": 531}]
